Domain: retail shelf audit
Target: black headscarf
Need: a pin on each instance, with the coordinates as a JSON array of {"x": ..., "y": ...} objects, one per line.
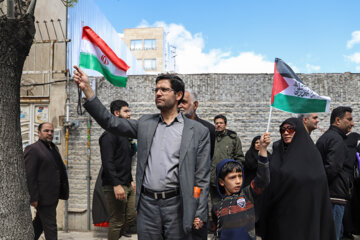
[
  {"x": 297, "y": 204},
  {"x": 251, "y": 162}
]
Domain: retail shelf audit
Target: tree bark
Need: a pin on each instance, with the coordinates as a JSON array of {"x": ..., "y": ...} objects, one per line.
[{"x": 16, "y": 37}]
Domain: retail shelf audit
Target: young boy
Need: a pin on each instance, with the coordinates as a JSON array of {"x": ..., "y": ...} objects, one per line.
[{"x": 234, "y": 215}]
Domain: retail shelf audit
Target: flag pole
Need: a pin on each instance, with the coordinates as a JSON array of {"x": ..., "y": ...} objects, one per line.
[{"x": 268, "y": 125}]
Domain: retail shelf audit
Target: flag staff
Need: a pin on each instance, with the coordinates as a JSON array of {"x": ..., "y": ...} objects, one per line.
[{"x": 268, "y": 125}]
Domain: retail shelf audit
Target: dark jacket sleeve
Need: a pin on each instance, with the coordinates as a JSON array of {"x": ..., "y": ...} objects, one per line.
[
  {"x": 261, "y": 180},
  {"x": 31, "y": 167},
  {"x": 332, "y": 150},
  {"x": 108, "y": 145}
]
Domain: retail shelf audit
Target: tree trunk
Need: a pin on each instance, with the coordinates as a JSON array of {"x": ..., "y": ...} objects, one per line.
[{"x": 16, "y": 36}]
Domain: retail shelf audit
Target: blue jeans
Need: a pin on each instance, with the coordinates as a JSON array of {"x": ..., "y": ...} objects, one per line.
[{"x": 338, "y": 213}]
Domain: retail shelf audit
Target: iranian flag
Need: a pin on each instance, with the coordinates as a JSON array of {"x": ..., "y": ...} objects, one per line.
[
  {"x": 95, "y": 54},
  {"x": 289, "y": 93}
]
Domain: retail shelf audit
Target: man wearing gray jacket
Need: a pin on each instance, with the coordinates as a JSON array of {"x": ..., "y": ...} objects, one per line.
[{"x": 173, "y": 160}]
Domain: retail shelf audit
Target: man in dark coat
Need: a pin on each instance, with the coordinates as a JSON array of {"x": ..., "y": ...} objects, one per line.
[
  {"x": 47, "y": 181},
  {"x": 188, "y": 107},
  {"x": 334, "y": 154}
]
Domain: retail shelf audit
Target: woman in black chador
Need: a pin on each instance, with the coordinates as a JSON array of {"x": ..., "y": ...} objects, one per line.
[
  {"x": 251, "y": 161},
  {"x": 251, "y": 158},
  {"x": 297, "y": 204}
]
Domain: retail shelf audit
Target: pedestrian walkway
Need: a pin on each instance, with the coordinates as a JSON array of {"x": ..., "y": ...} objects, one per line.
[{"x": 94, "y": 235}]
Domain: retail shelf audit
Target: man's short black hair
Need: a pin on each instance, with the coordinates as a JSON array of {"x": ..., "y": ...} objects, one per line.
[
  {"x": 228, "y": 168},
  {"x": 177, "y": 84},
  {"x": 220, "y": 116},
  {"x": 339, "y": 112},
  {"x": 117, "y": 105},
  {"x": 41, "y": 125}
]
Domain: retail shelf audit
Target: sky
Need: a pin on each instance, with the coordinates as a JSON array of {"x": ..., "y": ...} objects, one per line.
[{"x": 238, "y": 36}]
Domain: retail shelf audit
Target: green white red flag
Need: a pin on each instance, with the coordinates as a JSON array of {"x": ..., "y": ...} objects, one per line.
[
  {"x": 289, "y": 93},
  {"x": 95, "y": 54}
]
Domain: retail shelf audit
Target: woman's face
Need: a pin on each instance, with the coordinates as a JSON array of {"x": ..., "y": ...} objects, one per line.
[
  {"x": 287, "y": 133},
  {"x": 257, "y": 145}
]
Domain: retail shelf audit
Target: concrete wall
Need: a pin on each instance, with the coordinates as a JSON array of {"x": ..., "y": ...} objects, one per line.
[{"x": 243, "y": 98}]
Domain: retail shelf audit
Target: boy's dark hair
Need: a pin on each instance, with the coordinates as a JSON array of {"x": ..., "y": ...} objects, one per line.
[
  {"x": 117, "y": 105},
  {"x": 177, "y": 84},
  {"x": 220, "y": 116},
  {"x": 228, "y": 168},
  {"x": 339, "y": 112}
]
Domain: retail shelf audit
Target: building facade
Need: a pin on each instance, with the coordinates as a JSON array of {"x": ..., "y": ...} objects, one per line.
[{"x": 148, "y": 46}]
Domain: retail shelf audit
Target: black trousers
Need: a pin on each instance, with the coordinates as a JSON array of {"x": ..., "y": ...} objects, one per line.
[
  {"x": 45, "y": 220},
  {"x": 200, "y": 234}
]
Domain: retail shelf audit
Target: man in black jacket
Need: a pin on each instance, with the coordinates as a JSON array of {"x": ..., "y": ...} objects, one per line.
[
  {"x": 117, "y": 182},
  {"x": 188, "y": 107},
  {"x": 47, "y": 181},
  {"x": 334, "y": 154}
]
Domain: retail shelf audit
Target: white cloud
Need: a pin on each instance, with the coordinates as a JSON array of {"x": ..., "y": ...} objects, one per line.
[
  {"x": 354, "y": 40},
  {"x": 312, "y": 68},
  {"x": 121, "y": 35},
  {"x": 354, "y": 57},
  {"x": 191, "y": 58}
]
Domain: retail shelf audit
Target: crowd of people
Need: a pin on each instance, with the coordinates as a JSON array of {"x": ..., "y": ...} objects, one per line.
[{"x": 300, "y": 190}]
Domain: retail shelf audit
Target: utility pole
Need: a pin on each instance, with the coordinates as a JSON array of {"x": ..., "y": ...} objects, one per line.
[{"x": 173, "y": 55}]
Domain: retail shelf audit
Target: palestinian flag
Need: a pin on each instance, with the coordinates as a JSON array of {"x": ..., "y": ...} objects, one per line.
[
  {"x": 289, "y": 93},
  {"x": 95, "y": 54}
]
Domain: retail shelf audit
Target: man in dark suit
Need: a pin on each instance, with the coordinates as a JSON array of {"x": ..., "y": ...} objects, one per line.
[
  {"x": 173, "y": 160},
  {"x": 47, "y": 181},
  {"x": 188, "y": 107}
]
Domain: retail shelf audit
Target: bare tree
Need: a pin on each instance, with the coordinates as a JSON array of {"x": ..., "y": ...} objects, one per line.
[{"x": 17, "y": 31}]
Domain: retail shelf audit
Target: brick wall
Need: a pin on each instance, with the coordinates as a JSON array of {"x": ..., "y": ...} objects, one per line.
[{"x": 243, "y": 98}]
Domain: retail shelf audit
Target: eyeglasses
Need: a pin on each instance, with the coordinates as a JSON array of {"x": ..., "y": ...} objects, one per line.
[
  {"x": 289, "y": 129},
  {"x": 163, "y": 90}
]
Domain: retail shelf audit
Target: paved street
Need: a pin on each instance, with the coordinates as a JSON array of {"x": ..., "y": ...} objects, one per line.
[{"x": 94, "y": 235}]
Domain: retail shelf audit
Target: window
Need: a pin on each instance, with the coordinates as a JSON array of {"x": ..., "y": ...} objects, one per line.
[
  {"x": 136, "y": 44},
  {"x": 149, "y": 44},
  {"x": 149, "y": 64}
]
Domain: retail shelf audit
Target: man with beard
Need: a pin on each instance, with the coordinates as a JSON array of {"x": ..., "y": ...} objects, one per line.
[
  {"x": 172, "y": 175},
  {"x": 188, "y": 107},
  {"x": 310, "y": 121},
  {"x": 334, "y": 153},
  {"x": 117, "y": 183}
]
